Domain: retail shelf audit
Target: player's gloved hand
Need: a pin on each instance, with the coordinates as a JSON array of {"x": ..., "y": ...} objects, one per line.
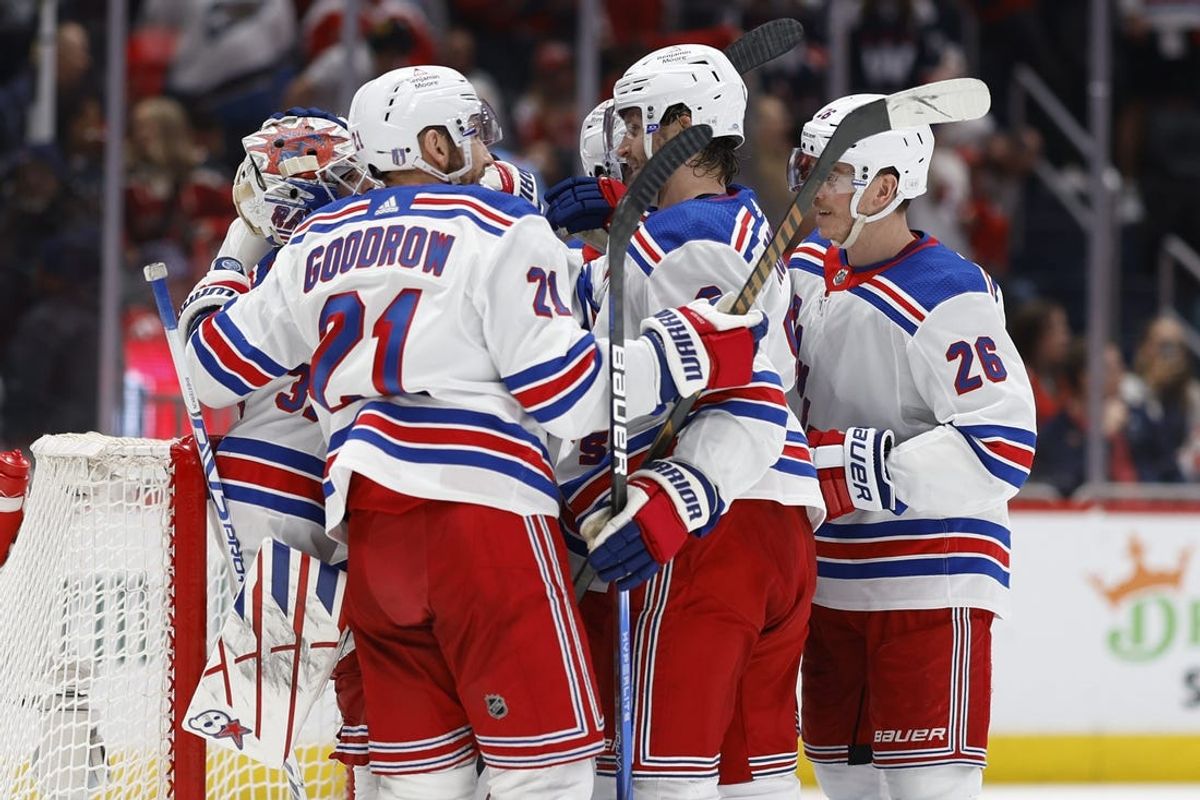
[
  {"x": 14, "y": 480},
  {"x": 583, "y": 204},
  {"x": 852, "y": 470},
  {"x": 223, "y": 282},
  {"x": 300, "y": 111},
  {"x": 511, "y": 179},
  {"x": 666, "y": 501},
  {"x": 701, "y": 346}
]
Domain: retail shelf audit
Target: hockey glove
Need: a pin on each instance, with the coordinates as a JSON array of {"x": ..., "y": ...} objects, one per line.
[
  {"x": 701, "y": 347},
  {"x": 511, "y": 179},
  {"x": 666, "y": 501},
  {"x": 225, "y": 281},
  {"x": 14, "y": 480},
  {"x": 852, "y": 470},
  {"x": 583, "y": 204}
]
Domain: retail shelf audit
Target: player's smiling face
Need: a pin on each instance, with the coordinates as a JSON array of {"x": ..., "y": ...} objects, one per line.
[
  {"x": 832, "y": 203},
  {"x": 630, "y": 149}
]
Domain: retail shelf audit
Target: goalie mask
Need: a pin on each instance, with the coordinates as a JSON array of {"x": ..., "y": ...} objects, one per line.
[
  {"x": 698, "y": 76},
  {"x": 293, "y": 166},
  {"x": 389, "y": 113},
  {"x": 907, "y": 150}
]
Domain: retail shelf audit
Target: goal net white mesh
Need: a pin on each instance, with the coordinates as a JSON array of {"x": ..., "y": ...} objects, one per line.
[{"x": 90, "y": 613}]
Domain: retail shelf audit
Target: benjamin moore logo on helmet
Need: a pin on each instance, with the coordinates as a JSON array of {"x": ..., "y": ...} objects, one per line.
[
  {"x": 421, "y": 79},
  {"x": 674, "y": 54}
]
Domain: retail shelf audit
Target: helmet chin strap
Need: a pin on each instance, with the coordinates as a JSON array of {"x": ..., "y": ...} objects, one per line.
[{"x": 861, "y": 219}]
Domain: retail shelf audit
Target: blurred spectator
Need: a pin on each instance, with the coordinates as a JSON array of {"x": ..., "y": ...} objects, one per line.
[
  {"x": 1164, "y": 402},
  {"x": 148, "y": 54},
  {"x": 895, "y": 44},
  {"x": 73, "y": 66},
  {"x": 393, "y": 34},
  {"x": 772, "y": 137},
  {"x": 546, "y": 112},
  {"x": 1043, "y": 338},
  {"x": 458, "y": 52},
  {"x": 169, "y": 196},
  {"x": 49, "y": 365},
  {"x": 1062, "y": 439},
  {"x": 945, "y": 208},
  {"x": 233, "y": 60}
]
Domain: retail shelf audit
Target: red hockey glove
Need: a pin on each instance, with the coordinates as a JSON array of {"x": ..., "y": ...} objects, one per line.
[
  {"x": 14, "y": 480},
  {"x": 701, "y": 347},
  {"x": 666, "y": 501},
  {"x": 852, "y": 470}
]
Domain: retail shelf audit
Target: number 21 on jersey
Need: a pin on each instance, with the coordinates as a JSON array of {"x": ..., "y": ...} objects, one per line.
[{"x": 342, "y": 327}]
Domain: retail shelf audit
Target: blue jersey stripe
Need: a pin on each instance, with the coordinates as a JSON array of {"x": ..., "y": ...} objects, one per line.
[
  {"x": 284, "y": 504},
  {"x": 776, "y": 415},
  {"x": 424, "y": 415},
  {"x": 913, "y": 568},
  {"x": 538, "y": 372},
  {"x": 1018, "y": 435},
  {"x": 447, "y": 213},
  {"x": 801, "y": 469},
  {"x": 216, "y": 370},
  {"x": 565, "y": 403},
  {"x": 888, "y": 310},
  {"x": 916, "y": 527},
  {"x": 1005, "y": 472},
  {"x": 274, "y": 453},
  {"x": 456, "y": 457},
  {"x": 242, "y": 346}
]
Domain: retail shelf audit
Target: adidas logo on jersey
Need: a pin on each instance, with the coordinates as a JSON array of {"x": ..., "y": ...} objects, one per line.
[{"x": 389, "y": 207}]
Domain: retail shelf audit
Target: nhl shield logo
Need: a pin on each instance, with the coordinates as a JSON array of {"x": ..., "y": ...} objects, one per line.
[
  {"x": 496, "y": 706},
  {"x": 840, "y": 276}
]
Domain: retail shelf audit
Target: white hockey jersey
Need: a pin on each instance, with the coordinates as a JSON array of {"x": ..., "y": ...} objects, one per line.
[
  {"x": 916, "y": 345},
  {"x": 441, "y": 350},
  {"x": 745, "y": 440}
]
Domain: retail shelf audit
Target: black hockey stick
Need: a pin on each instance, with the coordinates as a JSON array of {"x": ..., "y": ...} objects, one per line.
[
  {"x": 627, "y": 216},
  {"x": 955, "y": 100},
  {"x": 764, "y": 43}
]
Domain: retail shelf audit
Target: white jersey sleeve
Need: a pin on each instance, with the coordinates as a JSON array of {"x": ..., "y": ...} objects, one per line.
[
  {"x": 226, "y": 365},
  {"x": 966, "y": 368},
  {"x": 567, "y": 392},
  {"x": 243, "y": 244}
]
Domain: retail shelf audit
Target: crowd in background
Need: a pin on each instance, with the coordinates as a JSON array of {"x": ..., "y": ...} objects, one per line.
[{"x": 203, "y": 73}]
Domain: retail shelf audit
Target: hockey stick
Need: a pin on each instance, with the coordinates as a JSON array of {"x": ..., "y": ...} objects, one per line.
[
  {"x": 955, "y": 100},
  {"x": 626, "y": 218},
  {"x": 764, "y": 43},
  {"x": 156, "y": 276}
]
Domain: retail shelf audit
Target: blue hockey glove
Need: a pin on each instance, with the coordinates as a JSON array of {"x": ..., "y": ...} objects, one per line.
[
  {"x": 583, "y": 204},
  {"x": 666, "y": 501}
]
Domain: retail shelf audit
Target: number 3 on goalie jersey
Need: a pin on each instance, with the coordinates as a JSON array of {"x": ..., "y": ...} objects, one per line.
[
  {"x": 342, "y": 329},
  {"x": 993, "y": 366}
]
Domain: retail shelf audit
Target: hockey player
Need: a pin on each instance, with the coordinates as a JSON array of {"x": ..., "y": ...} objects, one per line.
[
  {"x": 271, "y": 461},
  {"x": 921, "y": 419},
  {"x": 720, "y": 627},
  {"x": 441, "y": 356}
]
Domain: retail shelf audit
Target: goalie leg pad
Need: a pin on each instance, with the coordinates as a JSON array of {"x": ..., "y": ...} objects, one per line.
[{"x": 276, "y": 651}]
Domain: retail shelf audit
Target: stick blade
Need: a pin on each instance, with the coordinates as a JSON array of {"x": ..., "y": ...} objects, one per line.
[
  {"x": 954, "y": 100},
  {"x": 764, "y": 43}
]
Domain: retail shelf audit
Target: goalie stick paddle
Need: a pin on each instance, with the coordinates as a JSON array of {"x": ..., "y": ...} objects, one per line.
[
  {"x": 156, "y": 276},
  {"x": 627, "y": 216},
  {"x": 955, "y": 100},
  {"x": 764, "y": 43}
]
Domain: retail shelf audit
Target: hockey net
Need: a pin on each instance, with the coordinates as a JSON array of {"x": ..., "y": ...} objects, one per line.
[{"x": 108, "y": 603}]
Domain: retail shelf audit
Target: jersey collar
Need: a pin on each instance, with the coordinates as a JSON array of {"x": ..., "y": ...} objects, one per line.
[{"x": 840, "y": 275}]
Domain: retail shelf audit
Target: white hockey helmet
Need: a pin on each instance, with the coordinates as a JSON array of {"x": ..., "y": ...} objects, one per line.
[
  {"x": 696, "y": 75},
  {"x": 907, "y": 150},
  {"x": 293, "y": 166},
  {"x": 598, "y": 159},
  {"x": 388, "y": 114}
]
